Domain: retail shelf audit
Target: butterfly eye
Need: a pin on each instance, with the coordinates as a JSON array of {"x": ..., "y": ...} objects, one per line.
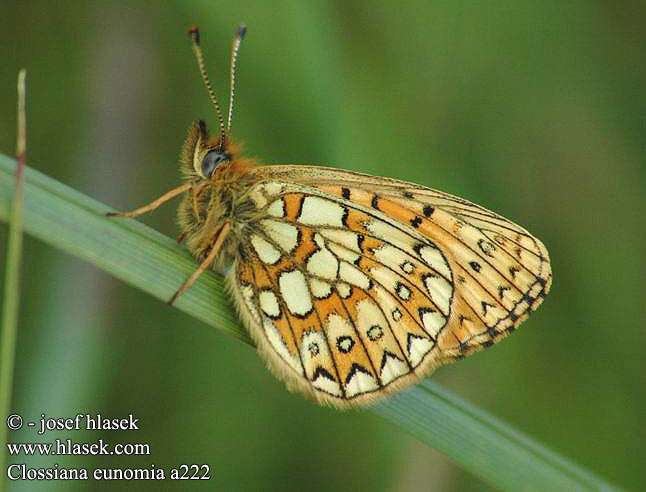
[{"x": 212, "y": 160}]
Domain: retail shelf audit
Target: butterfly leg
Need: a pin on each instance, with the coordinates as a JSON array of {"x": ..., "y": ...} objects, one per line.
[
  {"x": 221, "y": 235},
  {"x": 154, "y": 204}
]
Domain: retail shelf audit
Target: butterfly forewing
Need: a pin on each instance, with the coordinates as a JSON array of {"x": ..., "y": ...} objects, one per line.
[{"x": 355, "y": 286}]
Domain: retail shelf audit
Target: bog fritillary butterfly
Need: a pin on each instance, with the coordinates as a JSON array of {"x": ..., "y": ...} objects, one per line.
[{"x": 352, "y": 286}]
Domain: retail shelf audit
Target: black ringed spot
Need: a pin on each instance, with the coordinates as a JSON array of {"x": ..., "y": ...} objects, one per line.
[
  {"x": 375, "y": 332},
  {"x": 344, "y": 344}
]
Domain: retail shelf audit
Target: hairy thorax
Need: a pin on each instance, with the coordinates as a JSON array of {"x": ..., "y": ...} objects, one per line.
[{"x": 210, "y": 203}]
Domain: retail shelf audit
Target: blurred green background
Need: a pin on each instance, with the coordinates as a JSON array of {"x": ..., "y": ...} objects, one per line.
[{"x": 535, "y": 110}]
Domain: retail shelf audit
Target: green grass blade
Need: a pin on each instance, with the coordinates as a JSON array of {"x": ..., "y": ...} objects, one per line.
[
  {"x": 11, "y": 301},
  {"x": 131, "y": 251},
  {"x": 481, "y": 443}
]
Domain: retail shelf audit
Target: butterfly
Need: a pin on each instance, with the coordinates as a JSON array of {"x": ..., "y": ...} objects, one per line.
[{"x": 352, "y": 286}]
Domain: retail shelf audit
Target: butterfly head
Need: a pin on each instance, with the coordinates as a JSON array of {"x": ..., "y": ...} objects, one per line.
[{"x": 204, "y": 155}]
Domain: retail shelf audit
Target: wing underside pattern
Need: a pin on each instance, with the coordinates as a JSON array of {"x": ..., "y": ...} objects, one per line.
[{"x": 354, "y": 286}]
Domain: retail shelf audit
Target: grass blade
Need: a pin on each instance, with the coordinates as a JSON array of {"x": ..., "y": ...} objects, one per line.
[
  {"x": 12, "y": 276},
  {"x": 129, "y": 250}
]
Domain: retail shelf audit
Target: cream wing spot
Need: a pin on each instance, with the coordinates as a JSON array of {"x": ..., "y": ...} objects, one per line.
[
  {"x": 293, "y": 289},
  {"x": 322, "y": 263},
  {"x": 433, "y": 257},
  {"x": 277, "y": 208},
  {"x": 269, "y": 303},
  {"x": 318, "y": 211},
  {"x": 347, "y": 238},
  {"x": 359, "y": 382},
  {"x": 407, "y": 267},
  {"x": 391, "y": 368},
  {"x": 352, "y": 275},
  {"x": 394, "y": 258},
  {"x": 282, "y": 233},
  {"x": 432, "y": 320},
  {"x": 418, "y": 347},
  {"x": 323, "y": 382},
  {"x": 267, "y": 253},
  {"x": 273, "y": 188},
  {"x": 402, "y": 291},
  {"x": 392, "y": 235},
  {"x": 279, "y": 346},
  {"x": 344, "y": 253},
  {"x": 320, "y": 289},
  {"x": 375, "y": 332},
  {"x": 343, "y": 289},
  {"x": 440, "y": 292}
]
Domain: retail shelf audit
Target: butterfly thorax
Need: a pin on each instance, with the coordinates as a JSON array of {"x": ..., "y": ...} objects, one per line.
[{"x": 216, "y": 197}]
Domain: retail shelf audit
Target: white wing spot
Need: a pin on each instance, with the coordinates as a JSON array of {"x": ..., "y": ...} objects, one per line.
[
  {"x": 348, "y": 239},
  {"x": 277, "y": 208},
  {"x": 353, "y": 275},
  {"x": 375, "y": 332},
  {"x": 293, "y": 288},
  {"x": 434, "y": 258},
  {"x": 360, "y": 383},
  {"x": 322, "y": 263},
  {"x": 272, "y": 188},
  {"x": 390, "y": 234},
  {"x": 269, "y": 303},
  {"x": 433, "y": 322},
  {"x": 343, "y": 289},
  {"x": 320, "y": 289},
  {"x": 319, "y": 211},
  {"x": 279, "y": 345},
  {"x": 393, "y": 368},
  {"x": 402, "y": 291},
  {"x": 344, "y": 253},
  {"x": 345, "y": 344},
  {"x": 418, "y": 348},
  {"x": 396, "y": 314},
  {"x": 440, "y": 292},
  {"x": 282, "y": 233},
  {"x": 266, "y": 251}
]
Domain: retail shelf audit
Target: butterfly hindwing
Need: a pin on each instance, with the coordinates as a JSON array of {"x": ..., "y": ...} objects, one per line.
[{"x": 354, "y": 286}]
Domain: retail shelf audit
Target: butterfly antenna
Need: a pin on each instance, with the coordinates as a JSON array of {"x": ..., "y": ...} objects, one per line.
[
  {"x": 242, "y": 29},
  {"x": 195, "y": 37}
]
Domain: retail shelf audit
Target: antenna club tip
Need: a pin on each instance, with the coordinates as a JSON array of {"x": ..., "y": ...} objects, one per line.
[
  {"x": 242, "y": 30},
  {"x": 194, "y": 33}
]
